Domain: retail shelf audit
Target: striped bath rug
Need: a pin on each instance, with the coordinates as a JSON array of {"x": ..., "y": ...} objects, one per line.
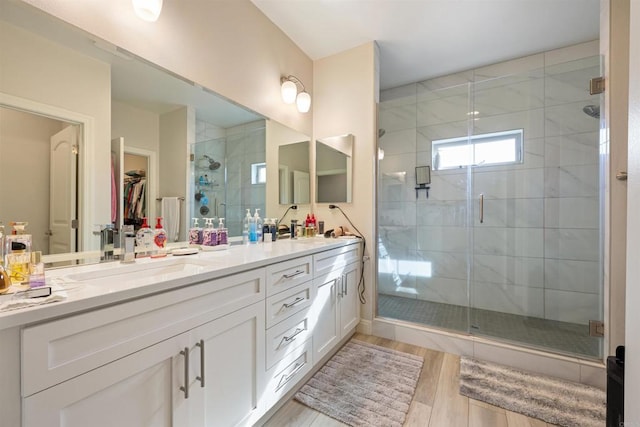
[
  {"x": 553, "y": 400},
  {"x": 364, "y": 385}
]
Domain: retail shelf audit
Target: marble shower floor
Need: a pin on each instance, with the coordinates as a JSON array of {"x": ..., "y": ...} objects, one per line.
[{"x": 563, "y": 337}]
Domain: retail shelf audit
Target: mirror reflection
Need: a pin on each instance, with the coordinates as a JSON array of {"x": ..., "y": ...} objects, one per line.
[
  {"x": 334, "y": 166},
  {"x": 293, "y": 173},
  {"x": 120, "y": 106}
]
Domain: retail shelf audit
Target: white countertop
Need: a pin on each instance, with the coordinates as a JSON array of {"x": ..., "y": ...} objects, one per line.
[{"x": 90, "y": 286}]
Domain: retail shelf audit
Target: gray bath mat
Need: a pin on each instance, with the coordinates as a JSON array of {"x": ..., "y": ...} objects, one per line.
[
  {"x": 364, "y": 385},
  {"x": 553, "y": 400}
]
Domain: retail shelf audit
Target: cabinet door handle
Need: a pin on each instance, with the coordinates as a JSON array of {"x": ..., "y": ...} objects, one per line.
[
  {"x": 201, "y": 377},
  {"x": 481, "y": 208},
  {"x": 185, "y": 388},
  {"x": 344, "y": 284},
  {"x": 294, "y": 274},
  {"x": 291, "y": 304},
  {"x": 338, "y": 281}
]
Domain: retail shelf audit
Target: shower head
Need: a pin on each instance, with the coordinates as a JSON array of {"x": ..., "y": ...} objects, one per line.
[
  {"x": 381, "y": 132},
  {"x": 592, "y": 111}
]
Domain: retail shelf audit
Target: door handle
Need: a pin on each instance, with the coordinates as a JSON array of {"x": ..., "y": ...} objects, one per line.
[
  {"x": 201, "y": 377},
  {"x": 481, "y": 208},
  {"x": 185, "y": 388}
]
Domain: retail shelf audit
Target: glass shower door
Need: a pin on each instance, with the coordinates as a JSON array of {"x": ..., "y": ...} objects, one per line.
[{"x": 534, "y": 189}]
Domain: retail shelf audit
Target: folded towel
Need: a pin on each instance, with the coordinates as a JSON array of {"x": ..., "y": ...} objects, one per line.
[
  {"x": 14, "y": 302},
  {"x": 170, "y": 208}
]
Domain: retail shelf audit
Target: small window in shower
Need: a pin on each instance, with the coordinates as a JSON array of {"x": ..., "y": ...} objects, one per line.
[
  {"x": 258, "y": 173},
  {"x": 489, "y": 149}
]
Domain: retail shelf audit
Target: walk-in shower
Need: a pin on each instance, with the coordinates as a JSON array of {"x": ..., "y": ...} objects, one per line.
[{"x": 507, "y": 242}]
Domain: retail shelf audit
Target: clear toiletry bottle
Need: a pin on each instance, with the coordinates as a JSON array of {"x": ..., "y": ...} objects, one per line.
[
  {"x": 223, "y": 233},
  {"x": 18, "y": 253},
  {"x": 195, "y": 233},
  {"x": 255, "y": 230},
  {"x": 36, "y": 270},
  {"x": 245, "y": 227},
  {"x": 160, "y": 238},
  {"x": 144, "y": 238}
]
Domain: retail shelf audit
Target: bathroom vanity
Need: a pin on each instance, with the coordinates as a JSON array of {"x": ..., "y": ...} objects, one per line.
[{"x": 216, "y": 338}]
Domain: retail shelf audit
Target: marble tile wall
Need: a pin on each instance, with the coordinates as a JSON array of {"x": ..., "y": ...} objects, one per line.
[
  {"x": 236, "y": 148},
  {"x": 537, "y": 253}
]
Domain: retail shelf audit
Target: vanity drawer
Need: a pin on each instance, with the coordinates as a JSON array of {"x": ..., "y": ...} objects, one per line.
[
  {"x": 330, "y": 260},
  {"x": 286, "y": 336},
  {"x": 55, "y": 351},
  {"x": 287, "y": 374},
  {"x": 289, "y": 302},
  {"x": 287, "y": 274}
]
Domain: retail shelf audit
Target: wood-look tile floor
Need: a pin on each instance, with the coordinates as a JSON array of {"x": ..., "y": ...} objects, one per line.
[{"x": 436, "y": 402}]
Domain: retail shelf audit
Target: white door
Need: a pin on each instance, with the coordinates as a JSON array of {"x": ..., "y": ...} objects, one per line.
[
  {"x": 117, "y": 159},
  {"x": 231, "y": 385},
  {"x": 63, "y": 191},
  {"x": 142, "y": 389},
  {"x": 301, "y": 183}
]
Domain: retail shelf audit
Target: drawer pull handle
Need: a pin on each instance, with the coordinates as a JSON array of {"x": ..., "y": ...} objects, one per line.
[
  {"x": 201, "y": 377},
  {"x": 185, "y": 388},
  {"x": 291, "y": 304},
  {"x": 294, "y": 274},
  {"x": 284, "y": 379},
  {"x": 297, "y": 332}
]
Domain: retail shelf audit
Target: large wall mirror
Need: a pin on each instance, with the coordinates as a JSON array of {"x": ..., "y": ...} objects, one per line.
[
  {"x": 334, "y": 168},
  {"x": 110, "y": 105},
  {"x": 294, "y": 180}
]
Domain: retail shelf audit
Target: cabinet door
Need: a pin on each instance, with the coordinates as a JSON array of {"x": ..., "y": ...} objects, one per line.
[
  {"x": 142, "y": 389},
  {"x": 324, "y": 316},
  {"x": 233, "y": 366},
  {"x": 349, "y": 301}
]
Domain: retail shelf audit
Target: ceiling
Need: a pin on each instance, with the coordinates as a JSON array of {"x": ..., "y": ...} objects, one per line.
[{"x": 421, "y": 39}]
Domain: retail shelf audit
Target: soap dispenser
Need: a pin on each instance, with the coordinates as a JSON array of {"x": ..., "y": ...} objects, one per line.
[
  {"x": 144, "y": 238},
  {"x": 223, "y": 233},
  {"x": 160, "y": 238},
  {"x": 209, "y": 234},
  {"x": 255, "y": 227},
  {"x": 195, "y": 233},
  {"x": 245, "y": 227}
]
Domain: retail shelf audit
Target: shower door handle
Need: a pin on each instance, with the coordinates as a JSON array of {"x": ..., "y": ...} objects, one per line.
[{"x": 481, "y": 200}]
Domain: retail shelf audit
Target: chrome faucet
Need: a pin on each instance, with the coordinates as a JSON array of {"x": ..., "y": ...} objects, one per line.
[
  {"x": 127, "y": 244},
  {"x": 106, "y": 242}
]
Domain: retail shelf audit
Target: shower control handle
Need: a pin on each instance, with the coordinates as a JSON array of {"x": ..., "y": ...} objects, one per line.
[{"x": 481, "y": 208}]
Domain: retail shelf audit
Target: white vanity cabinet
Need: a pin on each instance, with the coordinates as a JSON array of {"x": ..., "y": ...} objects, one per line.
[
  {"x": 336, "y": 308},
  {"x": 196, "y": 361}
]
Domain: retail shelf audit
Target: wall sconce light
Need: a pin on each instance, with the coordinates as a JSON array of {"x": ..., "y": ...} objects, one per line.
[
  {"x": 290, "y": 94},
  {"x": 149, "y": 10}
]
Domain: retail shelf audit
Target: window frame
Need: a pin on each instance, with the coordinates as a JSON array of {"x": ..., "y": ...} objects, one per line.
[{"x": 473, "y": 140}]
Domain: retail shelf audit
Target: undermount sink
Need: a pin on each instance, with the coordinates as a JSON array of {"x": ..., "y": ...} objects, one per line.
[{"x": 119, "y": 275}]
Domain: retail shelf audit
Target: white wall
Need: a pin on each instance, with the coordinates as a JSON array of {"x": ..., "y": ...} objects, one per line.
[
  {"x": 24, "y": 174},
  {"x": 71, "y": 82},
  {"x": 632, "y": 339},
  {"x": 176, "y": 129},
  {"x": 228, "y": 46},
  {"x": 140, "y": 128},
  {"x": 346, "y": 85}
]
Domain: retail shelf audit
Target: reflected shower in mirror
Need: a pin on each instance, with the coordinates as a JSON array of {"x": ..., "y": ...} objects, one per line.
[
  {"x": 293, "y": 173},
  {"x": 334, "y": 166}
]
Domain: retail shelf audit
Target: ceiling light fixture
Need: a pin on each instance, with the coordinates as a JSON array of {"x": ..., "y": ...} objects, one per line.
[
  {"x": 149, "y": 10},
  {"x": 290, "y": 94}
]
